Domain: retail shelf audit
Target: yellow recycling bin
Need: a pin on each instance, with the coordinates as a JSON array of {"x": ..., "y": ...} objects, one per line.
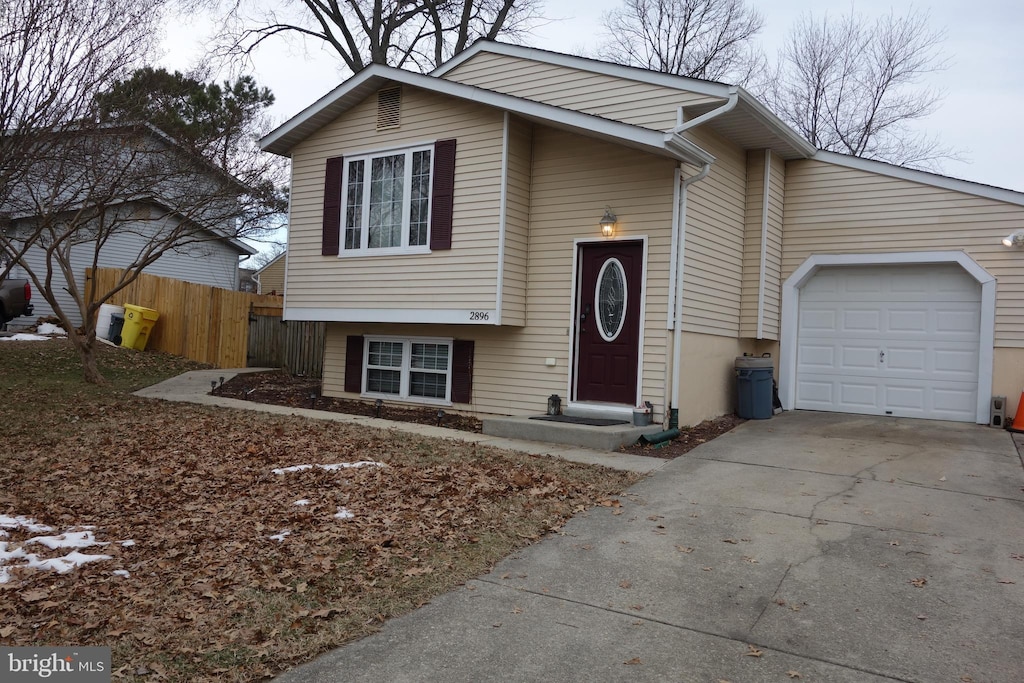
[{"x": 138, "y": 323}]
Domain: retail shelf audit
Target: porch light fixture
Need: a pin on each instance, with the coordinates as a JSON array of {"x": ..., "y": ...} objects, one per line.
[
  {"x": 608, "y": 221},
  {"x": 1015, "y": 239}
]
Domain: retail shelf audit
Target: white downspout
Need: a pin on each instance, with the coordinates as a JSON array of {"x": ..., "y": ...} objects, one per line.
[
  {"x": 680, "y": 244},
  {"x": 677, "y": 332}
]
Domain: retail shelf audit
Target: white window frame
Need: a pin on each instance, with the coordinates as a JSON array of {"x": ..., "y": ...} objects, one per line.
[
  {"x": 364, "y": 236},
  {"x": 407, "y": 369}
]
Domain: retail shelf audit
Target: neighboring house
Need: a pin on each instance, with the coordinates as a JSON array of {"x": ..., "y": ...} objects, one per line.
[
  {"x": 208, "y": 253},
  {"x": 271, "y": 276},
  {"x": 247, "y": 281},
  {"x": 446, "y": 227}
]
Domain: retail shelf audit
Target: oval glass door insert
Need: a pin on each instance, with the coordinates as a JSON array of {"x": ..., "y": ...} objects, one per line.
[{"x": 610, "y": 299}]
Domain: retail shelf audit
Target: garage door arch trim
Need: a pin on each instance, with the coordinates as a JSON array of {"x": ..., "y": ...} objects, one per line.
[{"x": 791, "y": 305}]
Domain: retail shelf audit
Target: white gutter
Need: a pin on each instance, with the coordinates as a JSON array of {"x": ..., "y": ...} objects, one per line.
[
  {"x": 734, "y": 97},
  {"x": 677, "y": 332}
]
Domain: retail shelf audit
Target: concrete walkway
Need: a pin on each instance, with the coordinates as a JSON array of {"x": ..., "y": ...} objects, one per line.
[
  {"x": 810, "y": 547},
  {"x": 194, "y": 387}
]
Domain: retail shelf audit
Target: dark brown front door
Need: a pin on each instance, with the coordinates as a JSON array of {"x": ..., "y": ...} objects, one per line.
[{"x": 608, "y": 321}]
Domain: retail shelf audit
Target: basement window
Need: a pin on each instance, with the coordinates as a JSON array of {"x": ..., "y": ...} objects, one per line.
[{"x": 413, "y": 369}]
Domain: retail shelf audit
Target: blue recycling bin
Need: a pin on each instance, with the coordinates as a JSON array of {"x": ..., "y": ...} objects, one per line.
[{"x": 754, "y": 387}]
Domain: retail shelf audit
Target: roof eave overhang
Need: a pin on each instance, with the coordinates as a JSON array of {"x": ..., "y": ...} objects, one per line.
[
  {"x": 766, "y": 117},
  {"x": 354, "y": 90}
]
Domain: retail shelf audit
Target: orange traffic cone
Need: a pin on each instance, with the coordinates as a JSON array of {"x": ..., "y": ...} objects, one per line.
[{"x": 1017, "y": 424}]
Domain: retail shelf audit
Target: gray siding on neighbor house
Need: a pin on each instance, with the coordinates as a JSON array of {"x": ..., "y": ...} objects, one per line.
[{"x": 208, "y": 263}]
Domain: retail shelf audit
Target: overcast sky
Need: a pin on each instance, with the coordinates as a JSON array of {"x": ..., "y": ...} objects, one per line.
[{"x": 981, "y": 115}]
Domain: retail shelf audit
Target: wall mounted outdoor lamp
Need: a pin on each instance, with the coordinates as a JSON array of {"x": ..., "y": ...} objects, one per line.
[
  {"x": 1015, "y": 239},
  {"x": 608, "y": 221}
]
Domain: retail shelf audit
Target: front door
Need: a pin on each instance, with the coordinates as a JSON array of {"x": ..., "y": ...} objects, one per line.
[{"x": 608, "y": 286}]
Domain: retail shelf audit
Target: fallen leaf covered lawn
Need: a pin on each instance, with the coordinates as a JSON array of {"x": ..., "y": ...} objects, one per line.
[{"x": 237, "y": 564}]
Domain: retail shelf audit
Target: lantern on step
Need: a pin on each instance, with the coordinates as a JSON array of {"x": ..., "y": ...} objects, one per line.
[{"x": 554, "y": 404}]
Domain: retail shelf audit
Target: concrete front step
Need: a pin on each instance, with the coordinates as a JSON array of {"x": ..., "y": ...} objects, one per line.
[{"x": 609, "y": 438}]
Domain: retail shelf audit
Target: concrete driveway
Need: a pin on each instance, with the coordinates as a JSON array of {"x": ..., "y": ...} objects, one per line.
[{"x": 812, "y": 547}]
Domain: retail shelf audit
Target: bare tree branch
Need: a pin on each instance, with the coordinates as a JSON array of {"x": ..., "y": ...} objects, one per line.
[
  {"x": 71, "y": 185},
  {"x": 851, "y": 85},
  {"x": 708, "y": 39},
  {"x": 402, "y": 33}
]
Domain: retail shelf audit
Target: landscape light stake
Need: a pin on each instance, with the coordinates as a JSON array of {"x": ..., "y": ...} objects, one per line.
[
  {"x": 378, "y": 404},
  {"x": 312, "y": 398},
  {"x": 222, "y": 381},
  {"x": 213, "y": 385},
  {"x": 440, "y": 416}
]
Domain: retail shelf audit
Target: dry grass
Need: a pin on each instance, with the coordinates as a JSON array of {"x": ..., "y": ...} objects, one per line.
[{"x": 210, "y": 595}]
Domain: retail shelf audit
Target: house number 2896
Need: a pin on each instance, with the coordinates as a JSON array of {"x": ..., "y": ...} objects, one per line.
[{"x": 479, "y": 315}]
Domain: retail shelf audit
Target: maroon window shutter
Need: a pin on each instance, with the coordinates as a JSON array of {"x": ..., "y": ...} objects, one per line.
[
  {"x": 442, "y": 195},
  {"x": 462, "y": 371},
  {"x": 354, "y": 364},
  {"x": 332, "y": 207}
]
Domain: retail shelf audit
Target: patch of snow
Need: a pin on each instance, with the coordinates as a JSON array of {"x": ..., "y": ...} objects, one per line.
[
  {"x": 25, "y": 523},
  {"x": 343, "y": 513},
  {"x": 62, "y": 565},
  {"x": 24, "y": 336},
  {"x": 346, "y": 465},
  {"x": 83, "y": 538},
  {"x": 69, "y": 539},
  {"x": 301, "y": 501},
  {"x": 280, "y": 536},
  {"x": 121, "y": 572},
  {"x": 293, "y": 468},
  {"x": 50, "y": 328},
  {"x": 129, "y": 542},
  {"x": 330, "y": 468}
]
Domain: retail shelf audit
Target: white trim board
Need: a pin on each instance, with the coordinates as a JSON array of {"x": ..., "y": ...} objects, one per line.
[
  {"x": 791, "y": 306},
  {"x": 448, "y": 316}
]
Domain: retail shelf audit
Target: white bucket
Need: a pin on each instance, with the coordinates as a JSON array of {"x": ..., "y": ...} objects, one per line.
[{"x": 103, "y": 319}]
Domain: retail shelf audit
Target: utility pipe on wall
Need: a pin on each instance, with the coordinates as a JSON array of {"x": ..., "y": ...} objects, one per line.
[{"x": 677, "y": 332}]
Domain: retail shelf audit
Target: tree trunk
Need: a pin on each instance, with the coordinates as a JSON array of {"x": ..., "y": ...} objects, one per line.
[{"x": 86, "y": 347}]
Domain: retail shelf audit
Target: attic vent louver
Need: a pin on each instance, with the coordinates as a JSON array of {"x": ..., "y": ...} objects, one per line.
[{"x": 389, "y": 108}]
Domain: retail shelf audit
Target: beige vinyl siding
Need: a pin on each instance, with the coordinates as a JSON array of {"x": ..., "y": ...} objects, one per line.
[
  {"x": 832, "y": 209},
  {"x": 463, "y": 277},
  {"x": 753, "y": 229},
  {"x": 573, "y": 179},
  {"x": 611, "y": 97},
  {"x": 708, "y": 376},
  {"x": 715, "y": 221},
  {"x": 272, "y": 277},
  {"x": 517, "y": 222}
]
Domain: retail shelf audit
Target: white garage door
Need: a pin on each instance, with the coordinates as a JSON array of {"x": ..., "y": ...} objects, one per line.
[{"x": 890, "y": 340}]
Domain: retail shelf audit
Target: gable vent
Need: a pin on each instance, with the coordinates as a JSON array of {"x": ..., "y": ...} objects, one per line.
[{"x": 389, "y": 108}]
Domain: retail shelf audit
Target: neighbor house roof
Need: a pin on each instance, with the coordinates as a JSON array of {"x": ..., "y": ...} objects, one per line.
[
  {"x": 373, "y": 78},
  {"x": 269, "y": 263}
]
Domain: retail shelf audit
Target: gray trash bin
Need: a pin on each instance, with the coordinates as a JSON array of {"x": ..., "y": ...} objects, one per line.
[
  {"x": 116, "y": 326},
  {"x": 754, "y": 387}
]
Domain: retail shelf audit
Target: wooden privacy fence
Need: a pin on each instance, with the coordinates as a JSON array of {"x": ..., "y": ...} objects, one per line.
[
  {"x": 206, "y": 324},
  {"x": 295, "y": 345}
]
